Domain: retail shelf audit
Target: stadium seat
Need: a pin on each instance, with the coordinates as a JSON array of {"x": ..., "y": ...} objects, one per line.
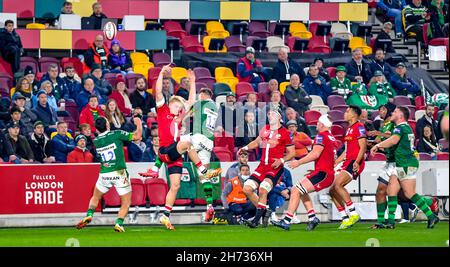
[
  {"x": 321, "y": 108},
  {"x": 322, "y": 49},
  {"x": 200, "y": 201},
  {"x": 424, "y": 156},
  {"x": 313, "y": 27},
  {"x": 316, "y": 100},
  {"x": 74, "y": 62},
  {"x": 358, "y": 42},
  {"x": 125, "y": 153},
  {"x": 5, "y": 67},
  {"x": 339, "y": 30},
  {"x": 139, "y": 57},
  {"x": 224, "y": 140},
  {"x": 216, "y": 29},
  {"x": 334, "y": 100},
  {"x": 342, "y": 123},
  {"x": 35, "y": 26},
  {"x": 274, "y": 43},
  {"x": 221, "y": 89},
  {"x": 204, "y": 75},
  {"x": 156, "y": 191},
  {"x": 298, "y": 29},
  {"x": 233, "y": 44},
  {"x": 174, "y": 29},
  {"x": 153, "y": 74},
  {"x": 44, "y": 63},
  {"x": 257, "y": 28},
  {"x": 182, "y": 202},
  {"x": 251, "y": 39},
  {"x": 312, "y": 116},
  {"x": 178, "y": 73},
  {"x": 377, "y": 157},
  {"x": 223, "y": 72},
  {"x": 112, "y": 198},
  {"x": 331, "y": 72},
  {"x": 142, "y": 68},
  {"x": 283, "y": 87},
  {"x": 442, "y": 156},
  {"x": 161, "y": 59},
  {"x": 207, "y": 41},
  {"x": 200, "y": 85},
  {"x": 29, "y": 61},
  {"x": 338, "y": 132},
  {"x": 412, "y": 124},
  {"x": 420, "y": 102},
  {"x": 341, "y": 108},
  {"x": 223, "y": 154},
  {"x": 138, "y": 198},
  {"x": 191, "y": 44},
  {"x": 243, "y": 88}
]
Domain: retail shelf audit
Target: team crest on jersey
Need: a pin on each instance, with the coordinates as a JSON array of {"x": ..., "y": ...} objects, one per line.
[
  {"x": 319, "y": 139},
  {"x": 397, "y": 130},
  {"x": 362, "y": 130}
]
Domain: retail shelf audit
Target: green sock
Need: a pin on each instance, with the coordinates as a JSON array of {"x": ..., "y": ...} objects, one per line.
[
  {"x": 119, "y": 221},
  {"x": 158, "y": 163},
  {"x": 428, "y": 200},
  {"x": 381, "y": 209},
  {"x": 207, "y": 188},
  {"x": 392, "y": 206},
  {"x": 90, "y": 212},
  {"x": 421, "y": 203}
]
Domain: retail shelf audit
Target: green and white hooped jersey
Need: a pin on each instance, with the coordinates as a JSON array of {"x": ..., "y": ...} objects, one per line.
[
  {"x": 109, "y": 146},
  {"x": 204, "y": 118}
]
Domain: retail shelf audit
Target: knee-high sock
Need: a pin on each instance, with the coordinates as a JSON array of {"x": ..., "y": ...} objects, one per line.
[
  {"x": 381, "y": 210},
  {"x": 421, "y": 203},
  {"x": 207, "y": 188},
  {"x": 392, "y": 206}
]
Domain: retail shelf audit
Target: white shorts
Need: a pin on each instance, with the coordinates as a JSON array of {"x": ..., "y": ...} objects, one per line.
[
  {"x": 387, "y": 171},
  {"x": 118, "y": 179},
  {"x": 201, "y": 144},
  {"x": 409, "y": 174}
]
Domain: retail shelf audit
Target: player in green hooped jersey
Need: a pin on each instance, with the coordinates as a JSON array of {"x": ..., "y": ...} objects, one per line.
[
  {"x": 113, "y": 169},
  {"x": 406, "y": 165}
]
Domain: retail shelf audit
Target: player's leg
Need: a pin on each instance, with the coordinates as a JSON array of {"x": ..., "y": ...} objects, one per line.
[
  {"x": 101, "y": 187},
  {"x": 313, "y": 221},
  {"x": 125, "y": 202},
  {"x": 294, "y": 202},
  {"x": 175, "y": 181},
  {"x": 380, "y": 198},
  {"x": 342, "y": 179},
  {"x": 153, "y": 172},
  {"x": 392, "y": 191},
  {"x": 338, "y": 199},
  {"x": 186, "y": 146},
  {"x": 264, "y": 188},
  {"x": 249, "y": 191}
]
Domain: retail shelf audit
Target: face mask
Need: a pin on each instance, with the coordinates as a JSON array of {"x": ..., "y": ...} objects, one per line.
[{"x": 245, "y": 177}]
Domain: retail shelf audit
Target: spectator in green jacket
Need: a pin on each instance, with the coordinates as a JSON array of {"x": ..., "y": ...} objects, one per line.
[
  {"x": 341, "y": 85},
  {"x": 381, "y": 88},
  {"x": 415, "y": 16}
]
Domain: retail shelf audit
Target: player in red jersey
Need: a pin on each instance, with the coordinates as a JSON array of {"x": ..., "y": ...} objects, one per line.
[
  {"x": 323, "y": 154},
  {"x": 352, "y": 167},
  {"x": 274, "y": 140}
]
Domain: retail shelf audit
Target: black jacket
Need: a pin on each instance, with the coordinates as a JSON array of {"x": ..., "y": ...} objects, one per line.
[
  {"x": 297, "y": 99},
  {"x": 103, "y": 86},
  {"x": 384, "y": 67},
  {"x": 8, "y": 40},
  {"x": 352, "y": 71},
  {"x": 243, "y": 137},
  {"x": 423, "y": 147},
  {"x": 21, "y": 148},
  {"x": 6, "y": 149},
  {"x": 40, "y": 146},
  {"x": 422, "y": 122},
  {"x": 46, "y": 114},
  {"x": 381, "y": 36},
  {"x": 138, "y": 101},
  {"x": 98, "y": 21},
  {"x": 279, "y": 71}
]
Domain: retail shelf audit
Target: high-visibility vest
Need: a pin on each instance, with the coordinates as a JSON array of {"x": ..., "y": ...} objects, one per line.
[{"x": 237, "y": 194}]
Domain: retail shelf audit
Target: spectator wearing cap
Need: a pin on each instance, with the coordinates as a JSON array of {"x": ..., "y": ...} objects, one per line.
[
  {"x": 322, "y": 70},
  {"x": 6, "y": 151},
  {"x": 19, "y": 143},
  {"x": 96, "y": 54},
  {"x": 286, "y": 67},
  {"x": 380, "y": 64},
  {"x": 91, "y": 112},
  {"x": 85, "y": 129},
  {"x": 118, "y": 59},
  {"x": 72, "y": 82},
  {"x": 296, "y": 96},
  {"x": 102, "y": 85},
  {"x": 249, "y": 69},
  {"x": 247, "y": 130},
  {"x": 402, "y": 84},
  {"x": 183, "y": 90},
  {"x": 27, "y": 117},
  {"x": 341, "y": 85},
  {"x": 29, "y": 74},
  {"x": 120, "y": 95},
  {"x": 40, "y": 144},
  {"x": 381, "y": 88},
  {"x": 62, "y": 143},
  {"x": 59, "y": 88},
  {"x": 24, "y": 88},
  {"x": 233, "y": 170},
  {"x": 358, "y": 70},
  {"x": 44, "y": 112},
  {"x": 88, "y": 90},
  {"x": 16, "y": 115},
  {"x": 384, "y": 35},
  {"x": 291, "y": 114},
  {"x": 301, "y": 140},
  {"x": 226, "y": 120},
  {"x": 314, "y": 84},
  {"x": 80, "y": 154},
  {"x": 11, "y": 45},
  {"x": 97, "y": 15}
]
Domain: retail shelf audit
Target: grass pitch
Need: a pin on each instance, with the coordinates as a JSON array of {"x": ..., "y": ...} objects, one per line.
[{"x": 326, "y": 235}]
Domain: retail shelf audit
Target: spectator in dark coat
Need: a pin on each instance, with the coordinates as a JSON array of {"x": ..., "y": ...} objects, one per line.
[
  {"x": 393, "y": 9},
  {"x": 60, "y": 90},
  {"x": 44, "y": 112},
  {"x": 286, "y": 67},
  {"x": 296, "y": 96},
  {"x": 402, "y": 84},
  {"x": 380, "y": 64},
  {"x": 281, "y": 191},
  {"x": 247, "y": 130},
  {"x": 118, "y": 59},
  {"x": 19, "y": 143},
  {"x": 315, "y": 84},
  {"x": 6, "y": 151},
  {"x": 97, "y": 53},
  {"x": 358, "y": 70},
  {"x": 226, "y": 120},
  {"x": 141, "y": 99},
  {"x": 102, "y": 85},
  {"x": 11, "y": 45},
  {"x": 85, "y": 129},
  {"x": 151, "y": 152},
  {"x": 86, "y": 92},
  {"x": 438, "y": 12},
  {"x": 25, "y": 129},
  {"x": 384, "y": 35},
  {"x": 428, "y": 119},
  {"x": 80, "y": 154},
  {"x": 62, "y": 143},
  {"x": 415, "y": 17},
  {"x": 40, "y": 144},
  {"x": 72, "y": 82},
  {"x": 27, "y": 117},
  {"x": 97, "y": 15},
  {"x": 183, "y": 90},
  {"x": 291, "y": 114},
  {"x": 322, "y": 70}
]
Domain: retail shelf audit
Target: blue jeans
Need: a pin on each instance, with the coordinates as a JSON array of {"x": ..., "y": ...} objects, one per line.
[{"x": 397, "y": 15}]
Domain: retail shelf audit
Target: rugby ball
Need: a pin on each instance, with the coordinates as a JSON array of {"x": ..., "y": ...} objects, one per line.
[{"x": 110, "y": 30}]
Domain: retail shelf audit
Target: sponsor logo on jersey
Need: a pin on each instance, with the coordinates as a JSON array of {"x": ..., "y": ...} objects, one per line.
[
  {"x": 362, "y": 130},
  {"x": 319, "y": 139},
  {"x": 397, "y": 130}
]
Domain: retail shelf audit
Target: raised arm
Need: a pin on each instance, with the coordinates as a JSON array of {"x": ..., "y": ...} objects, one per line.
[
  {"x": 391, "y": 141},
  {"x": 137, "y": 135},
  {"x": 192, "y": 89},
  {"x": 158, "y": 93}
]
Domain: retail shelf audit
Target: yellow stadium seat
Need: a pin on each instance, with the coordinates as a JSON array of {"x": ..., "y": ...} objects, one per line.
[
  {"x": 231, "y": 81},
  {"x": 297, "y": 27},
  {"x": 178, "y": 73},
  {"x": 223, "y": 72},
  {"x": 283, "y": 86},
  {"x": 139, "y": 57},
  {"x": 142, "y": 68},
  {"x": 302, "y": 34},
  {"x": 35, "y": 26},
  {"x": 216, "y": 29},
  {"x": 358, "y": 42},
  {"x": 207, "y": 41}
]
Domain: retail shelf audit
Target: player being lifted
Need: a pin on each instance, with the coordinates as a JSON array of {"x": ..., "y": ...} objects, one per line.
[
  {"x": 169, "y": 119},
  {"x": 406, "y": 165},
  {"x": 274, "y": 140},
  {"x": 113, "y": 169},
  {"x": 351, "y": 169},
  {"x": 324, "y": 155}
]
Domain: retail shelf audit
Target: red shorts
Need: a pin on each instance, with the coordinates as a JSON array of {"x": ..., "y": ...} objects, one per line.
[
  {"x": 266, "y": 171},
  {"x": 347, "y": 166},
  {"x": 320, "y": 179},
  {"x": 170, "y": 156}
]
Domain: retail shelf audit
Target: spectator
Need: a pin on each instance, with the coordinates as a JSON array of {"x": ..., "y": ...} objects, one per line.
[
  {"x": 402, "y": 84},
  {"x": 91, "y": 112},
  {"x": 85, "y": 129},
  {"x": 233, "y": 198},
  {"x": 136, "y": 151},
  {"x": 428, "y": 119},
  {"x": 286, "y": 67},
  {"x": 44, "y": 112},
  {"x": 59, "y": 88},
  {"x": 19, "y": 143},
  {"x": 46, "y": 86},
  {"x": 67, "y": 8},
  {"x": 6, "y": 150},
  {"x": 80, "y": 154},
  {"x": 141, "y": 99},
  {"x": 23, "y": 87},
  {"x": 273, "y": 86},
  {"x": 167, "y": 88},
  {"x": 385, "y": 35},
  {"x": 88, "y": 90},
  {"x": 364, "y": 119},
  {"x": 296, "y": 97},
  {"x": 341, "y": 85},
  {"x": 381, "y": 88},
  {"x": 11, "y": 45},
  {"x": 120, "y": 95},
  {"x": 72, "y": 82},
  {"x": 97, "y": 53},
  {"x": 415, "y": 17},
  {"x": 62, "y": 143},
  {"x": 251, "y": 102},
  {"x": 233, "y": 171},
  {"x": 27, "y": 117},
  {"x": 114, "y": 116},
  {"x": 322, "y": 70},
  {"x": 393, "y": 9},
  {"x": 15, "y": 118},
  {"x": 276, "y": 104},
  {"x": 250, "y": 69},
  {"x": 300, "y": 139},
  {"x": 227, "y": 115},
  {"x": 247, "y": 130},
  {"x": 315, "y": 84},
  {"x": 40, "y": 144},
  {"x": 280, "y": 193},
  {"x": 380, "y": 64},
  {"x": 358, "y": 70},
  {"x": 291, "y": 114},
  {"x": 427, "y": 142},
  {"x": 151, "y": 153},
  {"x": 438, "y": 12},
  {"x": 97, "y": 15},
  {"x": 29, "y": 74},
  {"x": 183, "y": 90},
  {"x": 154, "y": 130},
  {"x": 102, "y": 85},
  {"x": 118, "y": 59}
]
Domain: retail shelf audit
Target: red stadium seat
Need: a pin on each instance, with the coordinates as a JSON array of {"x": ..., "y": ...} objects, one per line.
[
  {"x": 112, "y": 198},
  {"x": 44, "y": 63},
  {"x": 243, "y": 88},
  {"x": 377, "y": 157},
  {"x": 312, "y": 116},
  {"x": 200, "y": 201},
  {"x": 336, "y": 115},
  {"x": 442, "y": 156},
  {"x": 341, "y": 108},
  {"x": 420, "y": 102},
  {"x": 334, "y": 100},
  {"x": 125, "y": 153},
  {"x": 138, "y": 197},
  {"x": 331, "y": 72},
  {"x": 29, "y": 61},
  {"x": 5, "y": 67},
  {"x": 223, "y": 154},
  {"x": 74, "y": 62},
  {"x": 425, "y": 156},
  {"x": 412, "y": 123},
  {"x": 174, "y": 29},
  {"x": 191, "y": 44},
  {"x": 156, "y": 191},
  {"x": 182, "y": 202},
  {"x": 224, "y": 140},
  {"x": 338, "y": 132}
]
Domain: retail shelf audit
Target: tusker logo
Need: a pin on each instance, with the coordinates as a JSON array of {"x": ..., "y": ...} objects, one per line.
[{"x": 44, "y": 190}]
